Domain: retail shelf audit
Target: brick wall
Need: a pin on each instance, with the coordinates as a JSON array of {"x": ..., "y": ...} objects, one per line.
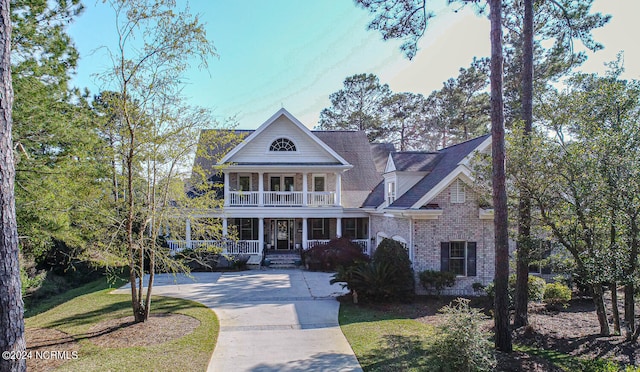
[{"x": 457, "y": 222}]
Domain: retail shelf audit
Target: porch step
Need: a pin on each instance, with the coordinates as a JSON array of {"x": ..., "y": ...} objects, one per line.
[{"x": 284, "y": 260}]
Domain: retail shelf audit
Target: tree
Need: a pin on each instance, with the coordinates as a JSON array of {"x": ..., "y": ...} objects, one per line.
[
  {"x": 404, "y": 113},
  {"x": 407, "y": 19},
  {"x": 11, "y": 305},
  {"x": 460, "y": 110},
  {"x": 562, "y": 22},
  {"x": 357, "y": 106},
  {"x": 155, "y": 45}
]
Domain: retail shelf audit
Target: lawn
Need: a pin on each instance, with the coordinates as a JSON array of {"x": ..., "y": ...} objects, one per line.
[
  {"x": 73, "y": 324},
  {"x": 383, "y": 341}
]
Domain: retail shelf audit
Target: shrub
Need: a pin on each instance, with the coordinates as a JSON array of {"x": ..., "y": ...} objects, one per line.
[
  {"x": 388, "y": 277},
  {"x": 437, "y": 280},
  {"x": 337, "y": 252},
  {"x": 396, "y": 255},
  {"x": 556, "y": 293},
  {"x": 461, "y": 344},
  {"x": 371, "y": 281},
  {"x": 535, "y": 288}
]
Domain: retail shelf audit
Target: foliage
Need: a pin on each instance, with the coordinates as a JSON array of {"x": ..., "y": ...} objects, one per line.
[
  {"x": 357, "y": 106},
  {"x": 152, "y": 133},
  {"x": 396, "y": 254},
  {"x": 535, "y": 288},
  {"x": 333, "y": 254},
  {"x": 461, "y": 344},
  {"x": 556, "y": 293},
  {"x": 388, "y": 277},
  {"x": 437, "y": 280}
]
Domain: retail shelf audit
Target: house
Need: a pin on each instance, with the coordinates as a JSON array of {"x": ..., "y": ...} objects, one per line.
[{"x": 286, "y": 187}]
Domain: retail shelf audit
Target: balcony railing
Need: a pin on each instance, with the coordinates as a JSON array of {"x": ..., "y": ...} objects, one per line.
[
  {"x": 280, "y": 198},
  {"x": 242, "y": 198},
  {"x": 228, "y": 247}
]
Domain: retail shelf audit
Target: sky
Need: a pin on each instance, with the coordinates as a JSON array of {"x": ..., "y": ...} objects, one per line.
[{"x": 295, "y": 53}]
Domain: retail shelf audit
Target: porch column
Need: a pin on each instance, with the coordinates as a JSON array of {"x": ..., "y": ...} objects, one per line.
[
  {"x": 338, "y": 188},
  {"x": 304, "y": 233},
  {"x": 224, "y": 227},
  {"x": 338, "y": 227},
  {"x": 260, "y": 189},
  {"x": 305, "y": 198},
  {"x": 187, "y": 234},
  {"x": 369, "y": 238},
  {"x": 260, "y": 234},
  {"x": 226, "y": 189}
]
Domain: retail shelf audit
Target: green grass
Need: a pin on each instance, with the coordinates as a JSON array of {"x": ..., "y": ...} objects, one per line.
[
  {"x": 384, "y": 342},
  {"x": 79, "y": 309}
]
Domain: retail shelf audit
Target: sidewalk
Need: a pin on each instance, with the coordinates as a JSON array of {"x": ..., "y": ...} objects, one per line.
[{"x": 273, "y": 320}]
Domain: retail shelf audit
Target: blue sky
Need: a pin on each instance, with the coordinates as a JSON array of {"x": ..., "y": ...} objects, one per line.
[{"x": 295, "y": 53}]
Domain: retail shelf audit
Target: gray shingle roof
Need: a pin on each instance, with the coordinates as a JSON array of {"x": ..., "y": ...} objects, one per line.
[
  {"x": 448, "y": 161},
  {"x": 412, "y": 161},
  {"x": 380, "y": 153}
]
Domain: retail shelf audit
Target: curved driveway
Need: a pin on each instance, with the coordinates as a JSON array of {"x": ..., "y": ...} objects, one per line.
[{"x": 270, "y": 320}]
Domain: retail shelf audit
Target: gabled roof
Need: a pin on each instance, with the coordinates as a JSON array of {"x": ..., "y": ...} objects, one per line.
[
  {"x": 449, "y": 160},
  {"x": 271, "y": 120},
  {"x": 380, "y": 153}
]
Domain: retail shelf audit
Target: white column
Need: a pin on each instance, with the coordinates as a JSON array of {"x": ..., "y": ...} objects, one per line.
[
  {"x": 338, "y": 227},
  {"x": 369, "y": 242},
  {"x": 224, "y": 227},
  {"x": 260, "y": 234},
  {"x": 304, "y": 233},
  {"x": 305, "y": 198},
  {"x": 338, "y": 188},
  {"x": 226, "y": 189},
  {"x": 187, "y": 234},
  {"x": 260, "y": 189}
]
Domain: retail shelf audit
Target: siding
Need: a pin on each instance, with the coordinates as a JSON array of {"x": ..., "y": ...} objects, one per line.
[{"x": 308, "y": 151}]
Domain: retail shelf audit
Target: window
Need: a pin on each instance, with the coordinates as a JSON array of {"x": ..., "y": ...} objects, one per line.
[
  {"x": 244, "y": 183},
  {"x": 540, "y": 252},
  {"x": 318, "y": 183},
  {"x": 391, "y": 192},
  {"x": 247, "y": 228},
  {"x": 281, "y": 183},
  {"x": 282, "y": 144},
  {"x": 319, "y": 228},
  {"x": 458, "y": 257},
  {"x": 457, "y": 192},
  {"x": 355, "y": 228}
]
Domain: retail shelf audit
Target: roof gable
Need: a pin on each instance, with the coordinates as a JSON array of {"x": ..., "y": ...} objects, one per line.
[
  {"x": 308, "y": 148},
  {"x": 452, "y": 163}
]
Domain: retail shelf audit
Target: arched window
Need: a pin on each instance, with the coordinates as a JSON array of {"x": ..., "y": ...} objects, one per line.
[{"x": 282, "y": 144}]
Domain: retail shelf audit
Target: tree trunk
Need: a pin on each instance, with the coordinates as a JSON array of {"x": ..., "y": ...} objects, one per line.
[
  {"x": 629, "y": 310},
  {"x": 601, "y": 310},
  {"x": 613, "y": 287},
  {"x": 524, "y": 208},
  {"x": 501, "y": 305},
  {"x": 11, "y": 305}
]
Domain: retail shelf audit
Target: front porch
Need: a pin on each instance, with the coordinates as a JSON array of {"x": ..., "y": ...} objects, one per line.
[{"x": 255, "y": 235}]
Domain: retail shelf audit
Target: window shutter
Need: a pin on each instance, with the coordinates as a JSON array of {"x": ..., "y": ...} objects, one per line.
[
  {"x": 471, "y": 258},
  {"x": 444, "y": 256}
]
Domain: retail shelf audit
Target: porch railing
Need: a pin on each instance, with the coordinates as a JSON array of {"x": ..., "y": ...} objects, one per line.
[
  {"x": 228, "y": 247},
  {"x": 362, "y": 243}
]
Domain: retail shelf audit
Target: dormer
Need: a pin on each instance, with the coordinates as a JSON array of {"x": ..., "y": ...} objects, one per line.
[{"x": 403, "y": 170}]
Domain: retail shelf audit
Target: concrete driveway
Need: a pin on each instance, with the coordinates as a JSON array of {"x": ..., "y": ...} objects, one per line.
[{"x": 270, "y": 320}]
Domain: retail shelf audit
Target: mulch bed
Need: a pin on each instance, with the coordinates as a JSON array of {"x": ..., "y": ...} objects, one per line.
[
  {"x": 51, "y": 348},
  {"x": 572, "y": 330},
  {"x": 124, "y": 332}
]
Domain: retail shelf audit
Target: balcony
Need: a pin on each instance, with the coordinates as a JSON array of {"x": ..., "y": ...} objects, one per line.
[{"x": 281, "y": 199}]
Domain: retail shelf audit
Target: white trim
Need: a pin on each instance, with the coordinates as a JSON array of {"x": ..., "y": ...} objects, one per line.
[
  {"x": 391, "y": 166},
  {"x": 296, "y": 122},
  {"x": 294, "y": 152},
  {"x": 458, "y": 192},
  {"x": 460, "y": 172},
  {"x": 481, "y": 148}
]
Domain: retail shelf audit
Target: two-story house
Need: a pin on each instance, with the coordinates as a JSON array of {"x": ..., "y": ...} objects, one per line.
[{"x": 287, "y": 187}]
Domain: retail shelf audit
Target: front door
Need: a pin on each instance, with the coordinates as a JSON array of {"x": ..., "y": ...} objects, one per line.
[{"x": 283, "y": 234}]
